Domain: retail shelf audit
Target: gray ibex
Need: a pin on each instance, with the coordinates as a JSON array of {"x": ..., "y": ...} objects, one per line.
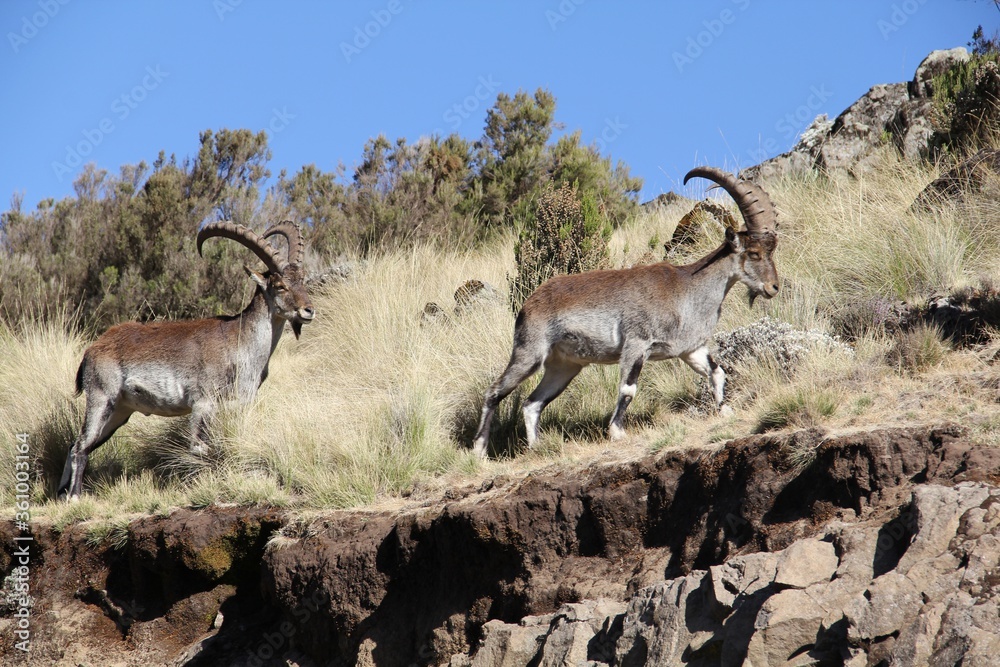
[
  {"x": 631, "y": 316},
  {"x": 184, "y": 367}
]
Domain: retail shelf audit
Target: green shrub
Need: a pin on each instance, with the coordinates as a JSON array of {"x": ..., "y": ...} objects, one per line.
[{"x": 967, "y": 97}]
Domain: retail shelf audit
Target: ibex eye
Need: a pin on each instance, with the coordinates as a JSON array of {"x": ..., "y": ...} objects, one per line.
[{"x": 754, "y": 256}]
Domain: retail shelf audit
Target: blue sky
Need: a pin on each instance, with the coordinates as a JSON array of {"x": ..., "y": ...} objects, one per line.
[{"x": 663, "y": 86}]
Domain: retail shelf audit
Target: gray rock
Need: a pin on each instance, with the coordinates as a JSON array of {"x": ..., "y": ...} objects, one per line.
[
  {"x": 432, "y": 313},
  {"x": 580, "y": 631},
  {"x": 661, "y": 621},
  {"x": 937, "y": 512},
  {"x": 509, "y": 645},
  {"x": 860, "y": 128},
  {"x": 858, "y": 546},
  {"x": 807, "y": 562},
  {"x": 742, "y": 576},
  {"x": 786, "y": 627},
  {"x": 936, "y": 63},
  {"x": 473, "y": 293},
  {"x": 889, "y": 603}
]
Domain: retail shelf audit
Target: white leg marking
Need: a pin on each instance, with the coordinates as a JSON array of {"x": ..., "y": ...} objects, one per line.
[
  {"x": 700, "y": 362},
  {"x": 718, "y": 378},
  {"x": 531, "y": 412}
]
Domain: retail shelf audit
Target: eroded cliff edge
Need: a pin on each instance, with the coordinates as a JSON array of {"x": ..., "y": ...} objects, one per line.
[{"x": 800, "y": 548}]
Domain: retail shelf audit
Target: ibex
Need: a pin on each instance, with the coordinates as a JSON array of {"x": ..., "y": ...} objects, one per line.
[
  {"x": 184, "y": 367},
  {"x": 631, "y": 316}
]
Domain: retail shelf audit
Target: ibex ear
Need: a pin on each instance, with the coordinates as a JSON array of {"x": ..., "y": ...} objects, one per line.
[
  {"x": 734, "y": 240},
  {"x": 257, "y": 278}
]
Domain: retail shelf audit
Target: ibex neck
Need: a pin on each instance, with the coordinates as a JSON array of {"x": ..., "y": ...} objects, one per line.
[
  {"x": 713, "y": 276},
  {"x": 258, "y": 324},
  {"x": 257, "y": 334}
]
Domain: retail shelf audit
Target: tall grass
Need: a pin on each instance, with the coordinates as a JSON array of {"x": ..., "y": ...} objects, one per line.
[{"x": 375, "y": 401}]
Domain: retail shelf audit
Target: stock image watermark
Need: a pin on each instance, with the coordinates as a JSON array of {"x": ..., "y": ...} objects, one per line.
[
  {"x": 274, "y": 643},
  {"x": 32, "y": 24},
  {"x": 484, "y": 91},
  {"x": 280, "y": 120},
  {"x": 612, "y": 129},
  {"x": 223, "y": 7},
  {"x": 713, "y": 28},
  {"x": 562, "y": 12},
  {"x": 899, "y": 15},
  {"x": 365, "y": 34},
  {"x": 121, "y": 108},
  {"x": 792, "y": 124},
  {"x": 16, "y": 588}
]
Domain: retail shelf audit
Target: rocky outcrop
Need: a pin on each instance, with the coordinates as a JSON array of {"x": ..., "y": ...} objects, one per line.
[
  {"x": 917, "y": 590},
  {"x": 795, "y": 548},
  {"x": 899, "y": 113},
  {"x": 690, "y": 226}
]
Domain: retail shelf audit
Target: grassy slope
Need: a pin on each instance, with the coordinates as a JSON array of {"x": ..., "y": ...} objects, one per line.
[{"x": 372, "y": 403}]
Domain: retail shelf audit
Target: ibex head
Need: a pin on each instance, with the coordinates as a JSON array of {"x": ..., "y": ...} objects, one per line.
[
  {"x": 756, "y": 241},
  {"x": 283, "y": 284}
]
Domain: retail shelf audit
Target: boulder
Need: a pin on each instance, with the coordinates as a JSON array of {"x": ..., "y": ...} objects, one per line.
[
  {"x": 473, "y": 293},
  {"x": 805, "y": 563},
  {"x": 936, "y": 63},
  {"x": 707, "y": 211}
]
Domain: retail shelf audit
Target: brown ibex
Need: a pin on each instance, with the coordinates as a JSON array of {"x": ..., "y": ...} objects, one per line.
[
  {"x": 631, "y": 316},
  {"x": 184, "y": 367}
]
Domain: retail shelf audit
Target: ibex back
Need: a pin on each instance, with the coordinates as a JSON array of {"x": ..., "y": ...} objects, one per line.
[
  {"x": 631, "y": 316},
  {"x": 179, "y": 368}
]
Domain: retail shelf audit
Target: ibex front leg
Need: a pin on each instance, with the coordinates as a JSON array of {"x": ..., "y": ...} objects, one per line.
[{"x": 703, "y": 364}]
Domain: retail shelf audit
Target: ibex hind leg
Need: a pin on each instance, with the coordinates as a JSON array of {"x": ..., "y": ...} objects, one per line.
[
  {"x": 630, "y": 367},
  {"x": 201, "y": 416},
  {"x": 103, "y": 418},
  {"x": 522, "y": 365},
  {"x": 557, "y": 377}
]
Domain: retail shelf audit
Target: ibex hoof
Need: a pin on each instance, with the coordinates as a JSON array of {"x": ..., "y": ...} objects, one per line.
[
  {"x": 726, "y": 411},
  {"x": 616, "y": 432}
]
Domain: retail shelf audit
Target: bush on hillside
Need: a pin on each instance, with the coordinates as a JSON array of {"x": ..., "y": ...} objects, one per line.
[
  {"x": 123, "y": 247},
  {"x": 967, "y": 97},
  {"x": 569, "y": 234}
]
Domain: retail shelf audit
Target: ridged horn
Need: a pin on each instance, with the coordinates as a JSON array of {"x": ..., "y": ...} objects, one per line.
[
  {"x": 293, "y": 235},
  {"x": 756, "y": 207},
  {"x": 243, "y": 236}
]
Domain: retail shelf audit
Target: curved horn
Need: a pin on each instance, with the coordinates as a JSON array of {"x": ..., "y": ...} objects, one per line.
[
  {"x": 293, "y": 235},
  {"x": 756, "y": 207},
  {"x": 243, "y": 236}
]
